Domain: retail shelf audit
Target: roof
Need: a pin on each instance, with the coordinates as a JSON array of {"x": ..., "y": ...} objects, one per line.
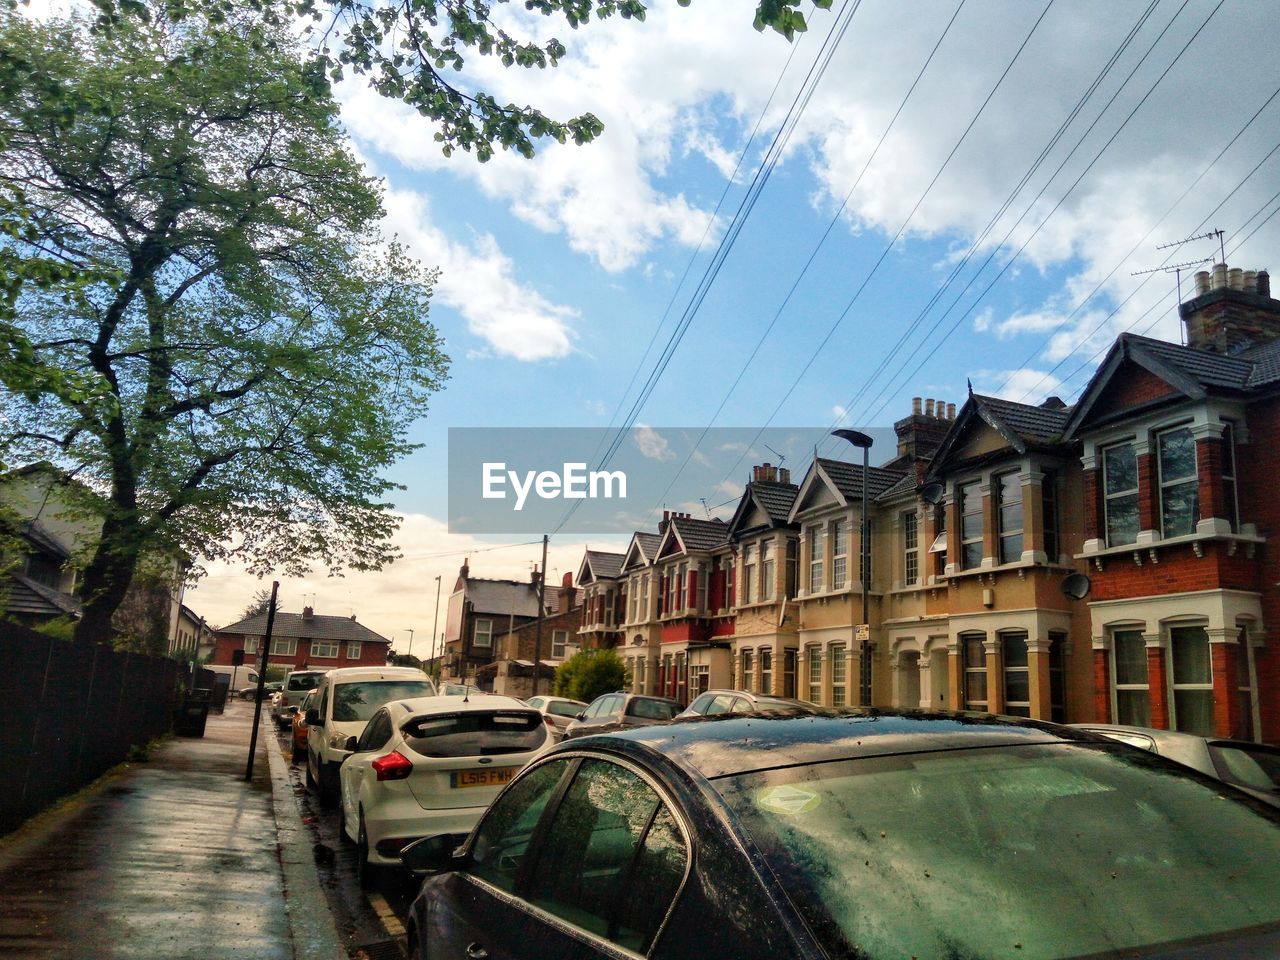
[
  {"x": 515, "y": 598},
  {"x": 699, "y": 534},
  {"x": 730, "y": 744},
  {"x": 1033, "y": 425},
  {"x": 32, "y": 598},
  {"x": 906, "y": 485},
  {"x": 604, "y": 565},
  {"x": 649, "y": 543},
  {"x": 772, "y": 498},
  {"x": 39, "y": 537},
  {"x": 848, "y": 478},
  {"x": 313, "y": 628},
  {"x": 1266, "y": 363}
]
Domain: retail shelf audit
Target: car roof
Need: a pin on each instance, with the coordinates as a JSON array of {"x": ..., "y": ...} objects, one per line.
[
  {"x": 730, "y": 744},
  {"x": 376, "y": 673},
  {"x": 749, "y": 695},
  {"x": 417, "y": 706}
]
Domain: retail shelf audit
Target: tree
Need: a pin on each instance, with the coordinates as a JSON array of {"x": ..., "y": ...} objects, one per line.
[
  {"x": 410, "y": 50},
  {"x": 588, "y": 674},
  {"x": 247, "y": 354},
  {"x": 259, "y": 605}
]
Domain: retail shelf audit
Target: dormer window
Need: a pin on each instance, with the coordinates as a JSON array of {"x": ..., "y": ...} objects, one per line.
[
  {"x": 1179, "y": 485},
  {"x": 1120, "y": 493}
]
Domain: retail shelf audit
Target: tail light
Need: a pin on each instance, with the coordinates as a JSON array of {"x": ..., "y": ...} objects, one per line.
[
  {"x": 546, "y": 718},
  {"x": 393, "y": 766}
]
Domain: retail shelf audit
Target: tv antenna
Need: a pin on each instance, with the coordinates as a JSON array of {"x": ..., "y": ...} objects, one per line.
[
  {"x": 782, "y": 457},
  {"x": 1176, "y": 269},
  {"x": 703, "y": 500},
  {"x": 1212, "y": 234}
]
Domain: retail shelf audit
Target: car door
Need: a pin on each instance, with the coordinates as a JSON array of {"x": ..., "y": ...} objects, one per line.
[
  {"x": 581, "y": 868},
  {"x": 357, "y": 767}
]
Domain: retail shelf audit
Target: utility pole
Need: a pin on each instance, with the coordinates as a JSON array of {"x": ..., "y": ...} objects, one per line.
[
  {"x": 262, "y": 680},
  {"x": 435, "y": 620},
  {"x": 410, "y": 653},
  {"x": 542, "y": 607}
]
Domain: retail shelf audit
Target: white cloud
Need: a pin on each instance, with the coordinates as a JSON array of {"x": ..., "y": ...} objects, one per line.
[
  {"x": 651, "y": 444},
  {"x": 1025, "y": 385}
]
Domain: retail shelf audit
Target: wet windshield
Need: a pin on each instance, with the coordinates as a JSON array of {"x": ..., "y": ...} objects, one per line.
[
  {"x": 1037, "y": 852},
  {"x": 358, "y": 701}
]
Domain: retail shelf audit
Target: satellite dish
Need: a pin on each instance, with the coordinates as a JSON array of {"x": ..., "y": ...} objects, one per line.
[
  {"x": 1076, "y": 586},
  {"x": 933, "y": 492}
]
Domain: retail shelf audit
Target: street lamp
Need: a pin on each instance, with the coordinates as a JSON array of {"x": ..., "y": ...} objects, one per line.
[
  {"x": 410, "y": 653},
  {"x": 862, "y": 441},
  {"x": 435, "y": 620}
]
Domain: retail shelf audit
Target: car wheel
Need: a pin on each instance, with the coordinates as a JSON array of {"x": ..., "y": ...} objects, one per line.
[
  {"x": 367, "y": 874},
  {"x": 324, "y": 788}
]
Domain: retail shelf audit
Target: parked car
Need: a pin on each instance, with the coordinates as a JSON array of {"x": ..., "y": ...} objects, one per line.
[
  {"x": 715, "y": 702},
  {"x": 296, "y": 685},
  {"x": 557, "y": 712},
  {"x": 430, "y": 766},
  {"x": 251, "y": 691},
  {"x": 345, "y": 701},
  {"x": 298, "y": 727},
  {"x": 1250, "y": 766},
  {"x": 621, "y": 710},
  {"x": 854, "y": 833}
]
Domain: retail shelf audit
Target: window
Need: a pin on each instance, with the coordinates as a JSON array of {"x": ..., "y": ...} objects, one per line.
[
  {"x": 910, "y": 550},
  {"x": 638, "y": 675},
  {"x": 559, "y": 641},
  {"x": 353, "y": 649},
  {"x": 748, "y": 574},
  {"x": 483, "y": 636},
  {"x": 970, "y": 525},
  {"x": 634, "y": 603},
  {"x": 789, "y": 672},
  {"x": 747, "y": 670},
  {"x": 357, "y": 701},
  {"x": 1129, "y": 666},
  {"x": 250, "y": 646},
  {"x": 1009, "y": 516},
  {"x": 973, "y": 654},
  {"x": 839, "y": 554},
  {"x": 1049, "y": 493},
  {"x": 766, "y": 671},
  {"x": 839, "y": 674},
  {"x": 768, "y": 584},
  {"x": 793, "y": 554},
  {"x": 284, "y": 646},
  {"x": 816, "y": 544},
  {"x": 939, "y": 546},
  {"x": 1057, "y": 677},
  {"x": 1229, "y": 499},
  {"x": 376, "y": 733},
  {"x": 503, "y": 837},
  {"x": 1192, "y": 680},
  {"x": 699, "y": 679},
  {"x": 324, "y": 649},
  {"x": 1017, "y": 677},
  {"x": 702, "y": 577},
  {"x": 1120, "y": 492},
  {"x": 1179, "y": 486},
  {"x": 1244, "y": 686},
  {"x": 678, "y": 587},
  {"x": 813, "y": 656},
  {"x": 613, "y": 858}
]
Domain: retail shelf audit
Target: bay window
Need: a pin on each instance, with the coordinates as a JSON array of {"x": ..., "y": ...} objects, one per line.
[
  {"x": 970, "y": 525},
  {"x": 748, "y": 574},
  {"x": 1192, "y": 680},
  {"x": 813, "y": 658},
  {"x": 816, "y": 545},
  {"x": 768, "y": 584},
  {"x": 839, "y": 554},
  {"x": 973, "y": 657},
  {"x": 910, "y": 550},
  {"x": 1017, "y": 675},
  {"x": 839, "y": 674}
]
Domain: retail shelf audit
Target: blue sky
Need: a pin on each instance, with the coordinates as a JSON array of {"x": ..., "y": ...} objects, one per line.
[{"x": 557, "y": 271}]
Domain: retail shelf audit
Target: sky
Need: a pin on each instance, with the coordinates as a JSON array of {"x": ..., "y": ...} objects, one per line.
[{"x": 895, "y": 205}]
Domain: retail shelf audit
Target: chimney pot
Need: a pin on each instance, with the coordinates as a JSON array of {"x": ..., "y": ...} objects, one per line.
[
  {"x": 928, "y": 408},
  {"x": 784, "y": 475},
  {"x": 1219, "y": 276},
  {"x": 1264, "y": 284},
  {"x": 1203, "y": 280},
  {"x": 915, "y": 406},
  {"x": 308, "y": 613},
  {"x": 951, "y": 411},
  {"x": 1235, "y": 278}
]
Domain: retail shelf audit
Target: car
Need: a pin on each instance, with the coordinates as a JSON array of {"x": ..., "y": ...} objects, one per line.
[
  {"x": 457, "y": 689},
  {"x": 1254, "y": 767},
  {"x": 251, "y": 691},
  {"x": 843, "y": 833},
  {"x": 428, "y": 767},
  {"x": 714, "y": 702},
  {"x": 557, "y": 712},
  {"x": 621, "y": 709},
  {"x": 298, "y": 727},
  {"x": 345, "y": 700},
  {"x": 296, "y": 685}
]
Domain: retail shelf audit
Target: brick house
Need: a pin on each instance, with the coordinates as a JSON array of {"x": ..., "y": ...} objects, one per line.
[
  {"x": 478, "y": 610},
  {"x": 518, "y": 650},
  {"x": 641, "y": 631},
  {"x": 304, "y": 640},
  {"x": 604, "y": 599}
]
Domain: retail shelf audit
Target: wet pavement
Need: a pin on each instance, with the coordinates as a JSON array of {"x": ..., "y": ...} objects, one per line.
[{"x": 175, "y": 857}]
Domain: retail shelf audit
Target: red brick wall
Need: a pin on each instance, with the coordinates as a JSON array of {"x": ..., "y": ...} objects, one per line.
[
  {"x": 1179, "y": 570},
  {"x": 372, "y": 654},
  {"x": 1101, "y": 687},
  {"x": 1133, "y": 386},
  {"x": 1147, "y": 516},
  {"x": 1092, "y": 504},
  {"x": 1226, "y": 703},
  {"x": 1209, "y": 471}
]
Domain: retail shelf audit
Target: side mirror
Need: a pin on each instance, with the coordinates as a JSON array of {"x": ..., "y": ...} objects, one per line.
[
  {"x": 313, "y": 717},
  {"x": 350, "y": 745},
  {"x": 430, "y": 855},
  {"x": 581, "y": 716}
]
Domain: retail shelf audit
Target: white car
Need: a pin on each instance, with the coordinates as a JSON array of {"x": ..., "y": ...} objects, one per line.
[
  {"x": 557, "y": 712},
  {"x": 430, "y": 767},
  {"x": 345, "y": 700}
]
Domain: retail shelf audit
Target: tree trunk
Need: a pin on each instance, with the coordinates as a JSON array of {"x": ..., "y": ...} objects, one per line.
[{"x": 106, "y": 581}]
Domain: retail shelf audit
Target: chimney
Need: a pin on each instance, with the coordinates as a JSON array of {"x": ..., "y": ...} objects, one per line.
[
  {"x": 928, "y": 408},
  {"x": 920, "y": 434},
  {"x": 536, "y": 576},
  {"x": 915, "y": 406},
  {"x": 951, "y": 411},
  {"x": 784, "y": 475},
  {"x": 466, "y": 568},
  {"x": 308, "y": 613},
  {"x": 566, "y": 595},
  {"x": 1232, "y": 310}
]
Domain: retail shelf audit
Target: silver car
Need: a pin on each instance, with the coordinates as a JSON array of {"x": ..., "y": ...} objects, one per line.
[
  {"x": 557, "y": 713},
  {"x": 1253, "y": 767},
  {"x": 715, "y": 702}
]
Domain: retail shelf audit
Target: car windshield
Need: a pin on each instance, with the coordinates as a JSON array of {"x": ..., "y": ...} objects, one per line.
[
  {"x": 562, "y": 708},
  {"x": 476, "y": 734},
  {"x": 357, "y": 701},
  {"x": 304, "y": 681},
  {"x": 1039, "y": 852},
  {"x": 652, "y": 709},
  {"x": 1248, "y": 765}
]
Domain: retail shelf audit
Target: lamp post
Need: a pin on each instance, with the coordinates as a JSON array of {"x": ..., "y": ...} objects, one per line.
[
  {"x": 435, "y": 620},
  {"x": 864, "y": 442},
  {"x": 410, "y": 653}
]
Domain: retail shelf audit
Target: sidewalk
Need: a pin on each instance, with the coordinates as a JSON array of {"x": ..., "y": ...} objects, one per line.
[{"x": 177, "y": 857}]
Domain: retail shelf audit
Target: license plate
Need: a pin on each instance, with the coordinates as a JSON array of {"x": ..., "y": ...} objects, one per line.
[{"x": 481, "y": 778}]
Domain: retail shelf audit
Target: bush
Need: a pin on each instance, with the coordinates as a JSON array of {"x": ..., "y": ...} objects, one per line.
[{"x": 588, "y": 674}]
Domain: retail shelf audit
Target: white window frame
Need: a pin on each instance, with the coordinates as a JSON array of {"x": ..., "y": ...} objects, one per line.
[
  {"x": 251, "y": 646},
  {"x": 1166, "y": 483},
  {"x": 1116, "y": 685},
  {"x": 1108, "y": 494},
  {"x": 325, "y": 649},
  {"x": 816, "y": 555},
  {"x": 1004, "y": 533},
  {"x": 284, "y": 646},
  {"x": 969, "y": 497},
  {"x": 839, "y": 554},
  {"x": 768, "y": 574},
  {"x": 700, "y": 594},
  {"x": 1229, "y": 475},
  {"x": 766, "y": 671},
  {"x": 813, "y": 673},
  {"x": 748, "y": 668},
  {"x": 354, "y": 649},
  {"x": 560, "y": 639},
  {"x": 1174, "y": 686},
  {"x": 839, "y": 674},
  {"x": 910, "y": 549},
  {"x": 748, "y": 574},
  {"x": 487, "y": 633}
]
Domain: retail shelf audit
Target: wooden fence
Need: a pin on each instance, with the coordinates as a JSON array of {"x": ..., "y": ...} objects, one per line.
[{"x": 67, "y": 715}]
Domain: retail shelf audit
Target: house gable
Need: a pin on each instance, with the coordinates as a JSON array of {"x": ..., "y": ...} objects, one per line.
[{"x": 817, "y": 491}]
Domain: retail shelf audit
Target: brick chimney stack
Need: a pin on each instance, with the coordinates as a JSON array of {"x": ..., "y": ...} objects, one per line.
[
  {"x": 308, "y": 613},
  {"x": 1232, "y": 309},
  {"x": 920, "y": 434},
  {"x": 566, "y": 595}
]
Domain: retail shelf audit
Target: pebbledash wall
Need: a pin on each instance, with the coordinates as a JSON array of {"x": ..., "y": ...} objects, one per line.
[{"x": 1160, "y": 480}]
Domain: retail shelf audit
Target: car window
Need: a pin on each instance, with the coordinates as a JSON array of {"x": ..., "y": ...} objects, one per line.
[
  {"x": 564, "y": 708},
  {"x": 596, "y": 706},
  {"x": 536, "y": 703},
  {"x": 357, "y": 701},
  {"x": 324, "y": 702},
  {"x": 648, "y": 709},
  {"x": 702, "y": 705},
  {"x": 600, "y": 844},
  {"x": 502, "y": 839},
  {"x": 742, "y": 705},
  {"x": 303, "y": 681},
  {"x": 478, "y": 734},
  {"x": 956, "y": 853},
  {"x": 376, "y": 734},
  {"x": 719, "y": 705},
  {"x": 1249, "y": 766}
]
